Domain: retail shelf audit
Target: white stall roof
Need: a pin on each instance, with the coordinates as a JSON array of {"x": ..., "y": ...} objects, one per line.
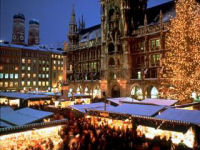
[
  {"x": 24, "y": 96},
  {"x": 121, "y": 100},
  {"x": 192, "y": 116},
  {"x": 5, "y": 125},
  {"x": 5, "y": 109},
  {"x": 162, "y": 102},
  {"x": 24, "y": 116},
  {"x": 34, "y": 112},
  {"x": 138, "y": 109},
  {"x": 95, "y": 106}
]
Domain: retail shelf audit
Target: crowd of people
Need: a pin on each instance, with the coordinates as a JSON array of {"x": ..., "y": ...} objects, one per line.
[{"x": 80, "y": 134}]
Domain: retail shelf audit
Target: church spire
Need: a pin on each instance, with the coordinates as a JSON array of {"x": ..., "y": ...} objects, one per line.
[
  {"x": 73, "y": 17},
  {"x": 73, "y": 34}
]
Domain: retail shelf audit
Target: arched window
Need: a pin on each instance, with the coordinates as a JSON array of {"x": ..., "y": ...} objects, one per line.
[
  {"x": 137, "y": 92},
  {"x": 86, "y": 91},
  {"x": 111, "y": 62},
  {"x": 154, "y": 92},
  {"x": 111, "y": 48}
]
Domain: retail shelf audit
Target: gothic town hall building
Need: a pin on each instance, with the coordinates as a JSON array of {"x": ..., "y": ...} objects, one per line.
[{"x": 121, "y": 56}]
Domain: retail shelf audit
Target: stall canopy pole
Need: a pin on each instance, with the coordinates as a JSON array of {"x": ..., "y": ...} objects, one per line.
[{"x": 104, "y": 95}]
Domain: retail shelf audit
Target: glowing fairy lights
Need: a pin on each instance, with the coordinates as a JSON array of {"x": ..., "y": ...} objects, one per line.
[{"x": 181, "y": 74}]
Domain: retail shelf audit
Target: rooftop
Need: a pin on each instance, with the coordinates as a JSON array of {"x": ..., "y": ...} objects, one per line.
[
  {"x": 23, "y": 116},
  {"x": 23, "y": 96},
  {"x": 33, "y": 48}
]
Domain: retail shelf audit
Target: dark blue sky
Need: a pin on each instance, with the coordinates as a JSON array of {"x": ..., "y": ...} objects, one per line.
[{"x": 53, "y": 16}]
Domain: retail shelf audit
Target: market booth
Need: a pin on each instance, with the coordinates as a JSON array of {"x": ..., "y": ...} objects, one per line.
[
  {"x": 24, "y": 99},
  {"x": 152, "y": 121},
  {"x": 80, "y": 98},
  {"x": 37, "y": 135},
  {"x": 121, "y": 116},
  {"x": 24, "y": 116}
]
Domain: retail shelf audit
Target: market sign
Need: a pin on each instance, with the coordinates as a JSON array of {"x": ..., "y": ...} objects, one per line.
[{"x": 104, "y": 114}]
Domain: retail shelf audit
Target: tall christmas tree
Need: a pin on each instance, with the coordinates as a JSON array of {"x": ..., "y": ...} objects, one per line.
[{"x": 181, "y": 62}]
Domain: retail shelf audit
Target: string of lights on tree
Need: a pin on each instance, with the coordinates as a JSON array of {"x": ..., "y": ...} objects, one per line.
[{"x": 181, "y": 73}]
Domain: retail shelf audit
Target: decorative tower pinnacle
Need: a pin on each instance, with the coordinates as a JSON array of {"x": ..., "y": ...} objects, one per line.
[
  {"x": 81, "y": 24},
  {"x": 73, "y": 34}
]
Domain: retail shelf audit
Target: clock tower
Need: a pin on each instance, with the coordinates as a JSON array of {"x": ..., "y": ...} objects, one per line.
[{"x": 18, "y": 35}]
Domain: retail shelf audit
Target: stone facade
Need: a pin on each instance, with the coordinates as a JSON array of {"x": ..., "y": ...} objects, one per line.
[{"x": 128, "y": 50}]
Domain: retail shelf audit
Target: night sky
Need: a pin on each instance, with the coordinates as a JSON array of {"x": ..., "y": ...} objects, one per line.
[{"x": 53, "y": 16}]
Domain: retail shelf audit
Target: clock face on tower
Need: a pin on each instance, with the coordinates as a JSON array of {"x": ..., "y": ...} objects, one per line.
[
  {"x": 21, "y": 37},
  {"x": 14, "y": 37}
]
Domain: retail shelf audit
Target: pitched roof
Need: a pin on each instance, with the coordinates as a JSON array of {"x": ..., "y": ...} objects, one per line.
[
  {"x": 192, "y": 116},
  {"x": 96, "y": 106},
  {"x": 24, "y": 96},
  {"x": 90, "y": 33},
  {"x": 24, "y": 116},
  {"x": 162, "y": 102},
  {"x": 168, "y": 11},
  {"x": 137, "y": 109}
]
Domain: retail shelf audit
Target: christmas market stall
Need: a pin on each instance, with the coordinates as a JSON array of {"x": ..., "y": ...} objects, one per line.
[
  {"x": 120, "y": 116},
  {"x": 22, "y": 116},
  {"x": 38, "y": 135},
  {"x": 152, "y": 121},
  {"x": 80, "y": 98},
  {"x": 24, "y": 99}
]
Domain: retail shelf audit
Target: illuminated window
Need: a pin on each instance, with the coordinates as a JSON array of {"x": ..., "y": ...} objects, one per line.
[
  {"x": 23, "y": 83},
  {"x": 47, "y": 83},
  {"x": 55, "y": 56},
  {"x": 52, "y": 55},
  {"x": 28, "y": 83},
  {"x": 43, "y": 68},
  {"x": 155, "y": 59},
  {"x": 34, "y": 61},
  {"x": 139, "y": 75},
  {"x": 155, "y": 44},
  {"x": 141, "y": 46},
  {"x": 54, "y": 67},
  {"x": 34, "y": 83},
  {"x": 16, "y": 68},
  {"x": 43, "y": 62},
  {"x": 54, "y": 62},
  {"x": 61, "y": 68},
  {"x": 29, "y": 61},
  {"x": 59, "y": 62},
  {"x": 16, "y": 76},
  {"x": 59, "y": 56},
  {"x": 43, "y": 83},
  {"x": 58, "y": 68},
  {"x": 6, "y": 76},
  {"x": 29, "y": 75},
  {"x": 11, "y": 84},
  {"x": 1, "y": 67},
  {"x": 39, "y": 75},
  {"x": 47, "y": 68},
  {"x": 43, "y": 75},
  {"x": 16, "y": 84},
  {"x": 1, "y": 75},
  {"x": 23, "y": 75},
  {"x": 39, "y": 83},
  {"x": 70, "y": 67},
  {"x": 1, "y": 84},
  {"x": 29, "y": 68},
  {"x": 5, "y": 84},
  {"x": 47, "y": 75},
  {"x": 23, "y": 67},
  {"x": 34, "y": 75},
  {"x": 11, "y": 76},
  {"x": 23, "y": 61}
]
